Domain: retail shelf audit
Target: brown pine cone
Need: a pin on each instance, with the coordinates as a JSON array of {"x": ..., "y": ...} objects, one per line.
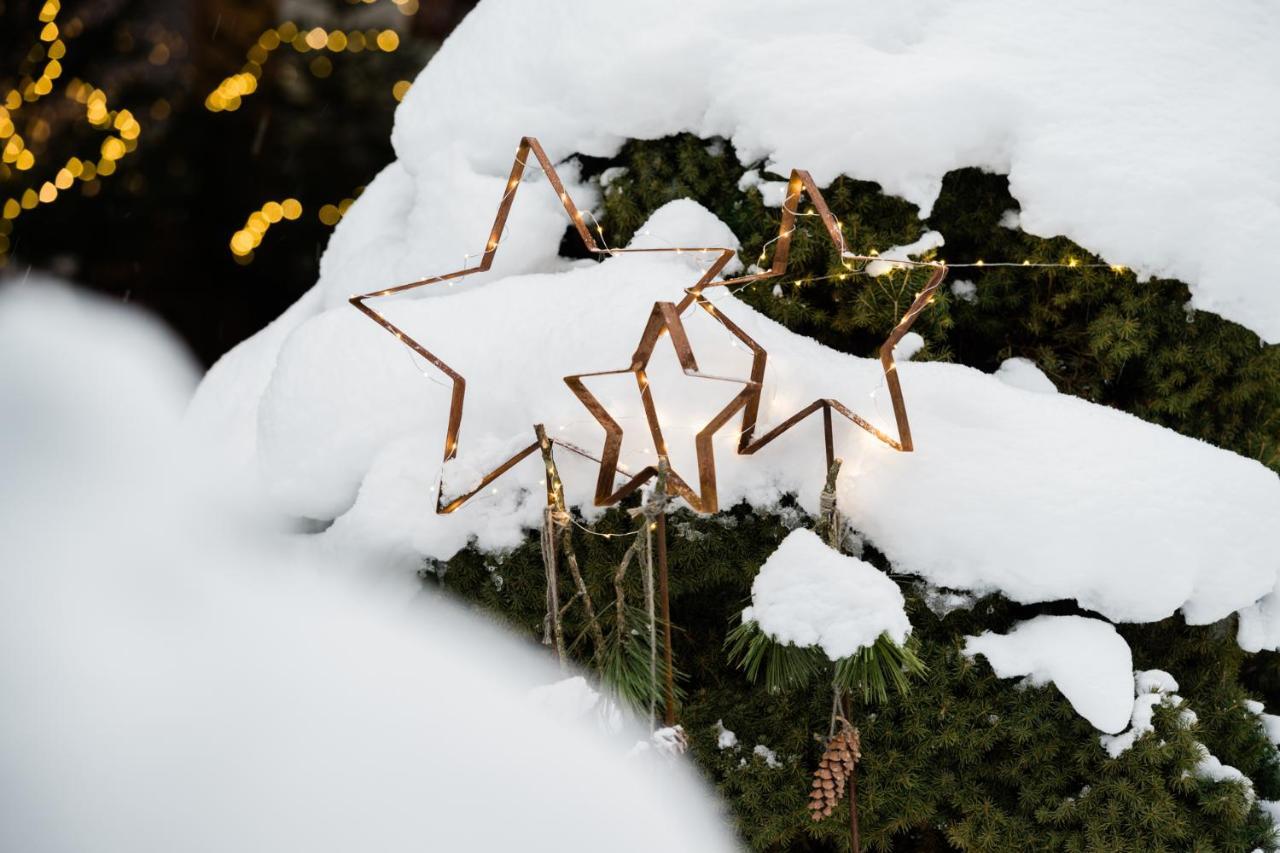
[{"x": 834, "y": 769}]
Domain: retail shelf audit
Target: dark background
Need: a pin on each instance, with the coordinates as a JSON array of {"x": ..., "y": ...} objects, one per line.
[{"x": 158, "y": 231}]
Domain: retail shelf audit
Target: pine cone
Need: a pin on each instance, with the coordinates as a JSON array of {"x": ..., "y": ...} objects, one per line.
[{"x": 834, "y": 769}]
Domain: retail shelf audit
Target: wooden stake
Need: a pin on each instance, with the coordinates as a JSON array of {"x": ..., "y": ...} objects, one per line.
[
  {"x": 855, "y": 839},
  {"x": 556, "y": 520},
  {"x": 660, "y": 494},
  {"x": 552, "y": 628},
  {"x": 830, "y": 524}
]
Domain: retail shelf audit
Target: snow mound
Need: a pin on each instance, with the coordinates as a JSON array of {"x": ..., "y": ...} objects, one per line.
[
  {"x": 1270, "y": 722},
  {"x": 1025, "y": 374},
  {"x": 1211, "y": 769},
  {"x": 927, "y": 241},
  {"x": 1094, "y": 136},
  {"x": 176, "y": 680},
  {"x": 1152, "y": 687},
  {"x": 1260, "y": 623},
  {"x": 725, "y": 738},
  {"x": 808, "y": 594},
  {"x": 1084, "y": 658}
]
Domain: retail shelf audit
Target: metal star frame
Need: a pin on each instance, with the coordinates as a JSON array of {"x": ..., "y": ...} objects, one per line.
[
  {"x": 664, "y": 319},
  {"x": 528, "y": 145},
  {"x": 802, "y": 182}
]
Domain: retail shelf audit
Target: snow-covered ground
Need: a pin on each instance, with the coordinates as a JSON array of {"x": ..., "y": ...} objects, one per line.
[{"x": 176, "y": 679}]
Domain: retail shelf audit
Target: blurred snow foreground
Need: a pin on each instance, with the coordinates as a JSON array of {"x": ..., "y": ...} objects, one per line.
[
  {"x": 1040, "y": 496},
  {"x": 176, "y": 680}
]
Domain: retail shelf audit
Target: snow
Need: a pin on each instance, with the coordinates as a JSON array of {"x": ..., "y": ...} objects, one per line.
[
  {"x": 1076, "y": 501},
  {"x": 1260, "y": 623},
  {"x": 772, "y": 193},
  {"x": 808, "y": 594},
  {"x": 767, "y": 755},
  {"x": 943, "y": 602},
  {"x": 1211, "y": 768},
  {"x": 964, "y": 290},
  {"x": 178, "y": 678},
  {"x": 1025, "y": 374},
  {"x": 1093, "y": 133},
  {"x": 1270, "y": 722},
  {"x": 928, "y": 241},
  {"x": 1152, "y": 687},
  {"x": 725, "y": 739},
  {"x": 575, "y": 700},
  {"x": 1042, "y": 497},
  {"x": 908, "y": 347},
  {"x": 1272, "y": 810},
  {"x": 1086, "y": 659},
  {"x": 668, "y": 742}
]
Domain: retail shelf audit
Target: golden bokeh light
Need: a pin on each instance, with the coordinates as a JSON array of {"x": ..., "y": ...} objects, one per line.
[{"x": 258, "y": 223}]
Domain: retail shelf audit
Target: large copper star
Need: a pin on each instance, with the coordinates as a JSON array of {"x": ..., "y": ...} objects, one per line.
[
  {"x": 666, "y": 317},
  {"x": 454, "y": 426},
  {"x": 802, "y": 182}
]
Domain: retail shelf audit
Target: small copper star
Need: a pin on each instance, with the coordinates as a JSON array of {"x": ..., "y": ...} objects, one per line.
[{"x": 664, "y": 319}]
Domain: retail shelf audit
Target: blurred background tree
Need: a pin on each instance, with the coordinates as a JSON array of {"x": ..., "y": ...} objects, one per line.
[{"x": 193, "y": 155}]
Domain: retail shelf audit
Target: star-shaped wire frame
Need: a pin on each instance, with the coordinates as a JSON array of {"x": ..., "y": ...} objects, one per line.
[
  {"x": 665, "y": 318},
  {"x": 802, "y": 182},
  {"x": 453, "y": 429}
]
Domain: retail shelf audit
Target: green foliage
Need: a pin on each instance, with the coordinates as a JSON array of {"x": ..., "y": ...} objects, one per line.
[
  {"x": 869, "y": 672},
  {"x": 781, "y": 666},
  {"x": 627, "y": 664},
  {"x": 866, "y": 674},
  {"x": 966, "y": 761}
]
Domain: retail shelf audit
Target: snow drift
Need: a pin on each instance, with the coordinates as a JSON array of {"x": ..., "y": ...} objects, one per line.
[
  {"x": 172, "y": 681},
  {"x": 1086, "y": 659}
]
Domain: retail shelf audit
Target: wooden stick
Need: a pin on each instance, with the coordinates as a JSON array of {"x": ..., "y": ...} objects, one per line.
[
  {"x": 855, "y": 839},
  {"x": 830, "y": 525},
  {"x": 660, "y": 494},
  {"x": 560, "y": 539}
]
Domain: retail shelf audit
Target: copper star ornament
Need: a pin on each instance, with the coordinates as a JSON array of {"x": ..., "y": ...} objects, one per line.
[
  {"x": 800, "y": 183},
  {"x": 664, "y": 321},
  {"x": 528, "y": 145}
]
